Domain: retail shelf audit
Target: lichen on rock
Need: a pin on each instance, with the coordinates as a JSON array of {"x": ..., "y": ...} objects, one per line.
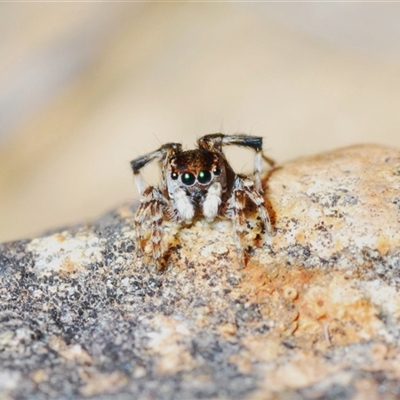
[{"x": 314, "y": 314}]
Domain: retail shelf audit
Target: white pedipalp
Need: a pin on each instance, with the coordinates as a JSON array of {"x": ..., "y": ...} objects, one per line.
[
  {"x": 183, "y": 205},
  {"x": 212, "y": 201}
]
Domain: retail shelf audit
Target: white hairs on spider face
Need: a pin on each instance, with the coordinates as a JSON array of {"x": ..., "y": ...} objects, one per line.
[
  {"x": 183, "y": 205},
  {"x": 212, "y": 201}
]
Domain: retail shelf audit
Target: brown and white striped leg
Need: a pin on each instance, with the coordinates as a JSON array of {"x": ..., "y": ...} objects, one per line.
[
  {"x": 238, "y": 217},
  {"x": 258, "y": 200},
  {"x": 148, "y": 223},
  {"x": 244, "y": 190}
]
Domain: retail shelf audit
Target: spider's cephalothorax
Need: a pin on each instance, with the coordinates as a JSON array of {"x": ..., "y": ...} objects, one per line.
[{"x": 198, "y": 183}]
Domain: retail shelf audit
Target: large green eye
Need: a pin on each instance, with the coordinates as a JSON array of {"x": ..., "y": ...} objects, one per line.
[
  {"x": 188, "y": 178},
  {"x": 204, "y": 176}
]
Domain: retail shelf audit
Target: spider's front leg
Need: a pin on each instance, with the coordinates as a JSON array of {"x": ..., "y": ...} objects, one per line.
[
  {"x": 245, "y": 198},
  {"x": 149, "y": 223},
  {"x": 215, "y": 141}
]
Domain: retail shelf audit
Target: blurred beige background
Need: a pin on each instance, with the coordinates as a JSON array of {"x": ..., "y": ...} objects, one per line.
[{"x": 86, "y": 87}]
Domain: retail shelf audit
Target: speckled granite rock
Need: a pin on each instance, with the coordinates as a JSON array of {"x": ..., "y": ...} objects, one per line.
[{"x": 315, "y": 313}]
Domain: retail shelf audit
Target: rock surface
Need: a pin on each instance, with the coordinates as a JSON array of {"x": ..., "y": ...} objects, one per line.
[{"x": 314, "y": 314}]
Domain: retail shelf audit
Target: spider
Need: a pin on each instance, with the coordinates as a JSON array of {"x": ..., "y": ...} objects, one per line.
[{"x": 195, "y": 184}]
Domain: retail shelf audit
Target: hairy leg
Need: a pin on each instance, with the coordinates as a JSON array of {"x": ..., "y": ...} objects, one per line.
[
  {"x": 243, "y": 191},
  {"x": 149, "y": 220}
]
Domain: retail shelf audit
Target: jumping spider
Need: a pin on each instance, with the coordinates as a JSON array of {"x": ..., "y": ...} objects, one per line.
[{"x": 198, "y": 183}]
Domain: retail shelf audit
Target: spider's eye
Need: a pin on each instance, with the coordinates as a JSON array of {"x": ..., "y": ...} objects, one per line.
[
  {"x": 204, "y": 177},
  {"x": 174, "y": 175},
  {"x": 188, "y": 178},
  {"x": 217, "y": 171}
]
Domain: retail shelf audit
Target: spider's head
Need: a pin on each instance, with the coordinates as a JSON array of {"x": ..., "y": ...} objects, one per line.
[
  {"x": 197, "y": 169},
  {"x": 193, "y": 174}
]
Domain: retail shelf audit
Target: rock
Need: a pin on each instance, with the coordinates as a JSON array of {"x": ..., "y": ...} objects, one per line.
[{"x": 314, "y": 314}]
